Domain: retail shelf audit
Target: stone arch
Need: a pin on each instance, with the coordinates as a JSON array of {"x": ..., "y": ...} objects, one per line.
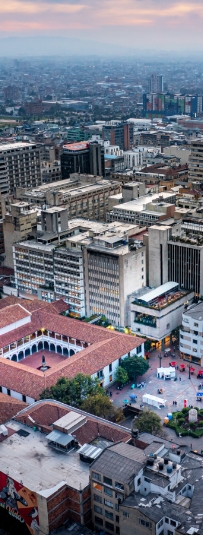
[
  {"x": 40, "y": 345},
  {"x": 27, "y": 352},
  {"x": 52, "y": 347},
  {"x": 72, "y": 352},
  {"x": 59, "y": 349},
  {"x": 14, "y": 357},
  {"x": 46, "y": 345},
  {"x": 20, "y": 355},
  {"x": 34, "y": 348},
  {"x": 65, "y": 351}
]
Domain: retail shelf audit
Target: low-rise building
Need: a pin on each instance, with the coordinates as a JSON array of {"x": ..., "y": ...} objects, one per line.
[
  {"x": 30, "y": 329},
  {"x": 156, "y": 313},
  {"x": 145, "y": 210}
]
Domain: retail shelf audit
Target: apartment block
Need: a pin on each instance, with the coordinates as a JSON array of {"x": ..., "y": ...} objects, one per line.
[
  {"x": 82, "y": 157},
  {"x": 195, "y": 163},
  {"x": 19, "y": 166},
  {"x": 191, "y": 334}
]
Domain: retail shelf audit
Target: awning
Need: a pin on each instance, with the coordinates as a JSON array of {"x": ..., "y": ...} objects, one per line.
[
  {"x": 60, "y": 438},
  {"x": 89, "y": 451}
]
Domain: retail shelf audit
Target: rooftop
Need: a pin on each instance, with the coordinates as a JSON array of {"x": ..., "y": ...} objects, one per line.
[
  {"x": 23, "y": 458},
  {"x": 120, "y": 462}
]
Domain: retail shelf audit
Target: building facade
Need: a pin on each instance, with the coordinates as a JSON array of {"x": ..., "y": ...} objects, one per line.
[
  {"x": 191, "y": 332},
  {"x": 82, "y": 157},
  {"x": 19, "y": 166}
]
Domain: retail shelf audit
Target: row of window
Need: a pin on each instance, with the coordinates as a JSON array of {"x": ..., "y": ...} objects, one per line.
[{"x": 107, "y": 481}]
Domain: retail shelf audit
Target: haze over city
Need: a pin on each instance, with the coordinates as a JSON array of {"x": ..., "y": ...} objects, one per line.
[{"x": 110, "y": 26}]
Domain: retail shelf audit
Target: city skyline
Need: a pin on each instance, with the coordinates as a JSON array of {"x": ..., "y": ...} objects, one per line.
[{"x": 126, "y": 23}]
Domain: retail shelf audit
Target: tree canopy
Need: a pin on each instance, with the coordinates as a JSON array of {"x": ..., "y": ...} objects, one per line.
[
  {"x": 73, "y": 391},
  {"x": 148, "y": 422},
  {"x": 121, "y": 375},
  {"x": 135, "y": 366},
  {"x": 100, "y": 406}
]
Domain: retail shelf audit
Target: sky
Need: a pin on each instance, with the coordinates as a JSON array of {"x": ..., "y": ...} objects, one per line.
[{"x": 138, "y": 24}]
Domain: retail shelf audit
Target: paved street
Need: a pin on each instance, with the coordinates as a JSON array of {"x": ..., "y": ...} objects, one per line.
[{"x": 172, "y": 391}]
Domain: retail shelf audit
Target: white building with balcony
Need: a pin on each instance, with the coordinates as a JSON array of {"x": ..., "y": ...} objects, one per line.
[{"x": 191, "y": 334}]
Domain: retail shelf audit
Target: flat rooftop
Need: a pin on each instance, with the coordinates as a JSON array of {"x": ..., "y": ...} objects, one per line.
[
  {"x": 15, "y": 146},
  {"x": 138, "y": 205},
  {"x": 35, "y": 465}
]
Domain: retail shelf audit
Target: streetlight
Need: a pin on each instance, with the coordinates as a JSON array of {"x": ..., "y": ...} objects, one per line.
[{"x": 160, "y": 359}]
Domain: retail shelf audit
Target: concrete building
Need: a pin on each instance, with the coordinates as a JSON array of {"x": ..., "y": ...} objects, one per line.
[
  {"x": 145, "y": 210},
  {"x": 83, "y": 195},
  {"x": 18, "y": 224},
  {"x": 195, "y": 164},
  {"x": 19, "y": 166},
  {"x": 93, "y": 266},
  {"x": 191, "y": 345},
  {"x": 156, "y": 83},
  {"x": 156, "y": 313},
  {"x": 64, "y": 491},
  {"x": 146, "y": 488},
  {"x": 51, "y": 172},
  {"x": 179, "y": 152}
]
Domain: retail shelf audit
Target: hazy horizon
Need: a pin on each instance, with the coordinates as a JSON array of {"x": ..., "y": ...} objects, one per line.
[{"x": 125, "y": 26}]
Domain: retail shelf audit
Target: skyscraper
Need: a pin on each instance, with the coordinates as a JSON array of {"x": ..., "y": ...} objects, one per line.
[{"x": 156, "y": 83}]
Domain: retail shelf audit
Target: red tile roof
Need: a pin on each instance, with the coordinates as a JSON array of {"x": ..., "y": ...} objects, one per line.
[
  {"x": 9, "y": 407},
  {"x": 105, "y": 347},
  {"x": 45, "y": 414},
  {"x": 12, "y": 314}
]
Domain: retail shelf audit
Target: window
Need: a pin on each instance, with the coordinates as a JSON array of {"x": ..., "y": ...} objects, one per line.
[
  {"x": 118, "y": 530},
  {"x": 160, "y": 523},
  {"x": 108, "y": 503},
  {"x": 173, "y": 523},
  {"x": 145, "y": 523},
  {"x": 167, "y": 520},
  {"x": 161, "y": 532},
  {"x": 119, "y": 485},
  {"x": 23, "y": 398},
  {"x": 139, "y": 482},
  {"x": 168, "y": 326},
  {"x": 8, "y": 392},
  {"x": 110, "y": 367},
  {"x": 98, "y": 509},
  {"x": 109, "y": 515},
  {"x": 106, "y": 480},
  {"x": 194, "y": 341},
  {"x": 97, "y": 486},
  {"x": 98, "y": 520},
  {"x": 147, "y": 479},
  {"x": 109, "y": 526},
  {"x": 117, "y": 519},
  {"x": 195, "y": 324},
  {"x": 126, "y": 514},
  {"x": 96, "y": 476},
  {"x": 97, "y": 498},
  {"x": 169, "y": 532},
  {"x": 108, "y": 491},
  {"x": 196, "y": 334}
]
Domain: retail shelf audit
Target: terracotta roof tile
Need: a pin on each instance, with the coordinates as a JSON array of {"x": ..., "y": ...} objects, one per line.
[
  {"x": 45, "y": 414},
  {"x": 9, "y": 407},
  {"x": 11, "y": 314}
]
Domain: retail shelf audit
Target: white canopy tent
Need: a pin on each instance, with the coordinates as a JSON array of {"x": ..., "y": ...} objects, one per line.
[
  {"x": 154, "y": 400},
  {"x": 166, "y": 373}
]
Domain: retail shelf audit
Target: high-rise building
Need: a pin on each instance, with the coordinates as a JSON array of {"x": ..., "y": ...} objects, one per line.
[
  {"x": 156, "y": 83},
  {"x": 19, "y": 166},
  {"x": 159, "y": 104},
  {"x": 82, "y": 157},
  {"x": 120, "y": 134},
  {"x": 195, "y": 163}
]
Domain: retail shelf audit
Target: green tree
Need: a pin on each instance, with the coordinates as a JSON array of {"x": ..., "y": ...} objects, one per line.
[
  {"x": 100, "y": 405},
  {"x": 73, "y": 391},
  {"x": 121, "y": 376},
  {"x": 135, "y": 366},
  {"x": 148, "y": 422}
]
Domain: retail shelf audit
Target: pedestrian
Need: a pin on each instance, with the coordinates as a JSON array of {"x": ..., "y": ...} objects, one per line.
[{"x": 177, "y": 367}]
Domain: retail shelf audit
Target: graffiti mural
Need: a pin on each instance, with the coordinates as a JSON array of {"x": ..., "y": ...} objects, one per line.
[{"x": 19, "y": 503}]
